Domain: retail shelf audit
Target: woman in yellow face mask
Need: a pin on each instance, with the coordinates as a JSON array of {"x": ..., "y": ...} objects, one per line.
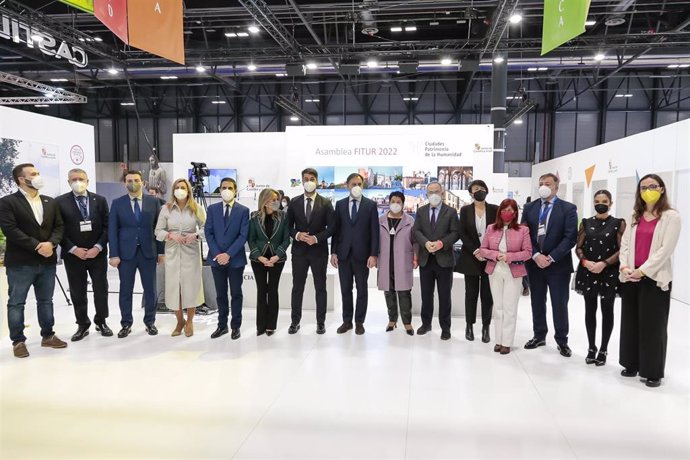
[{"x": 646, "y": 273}]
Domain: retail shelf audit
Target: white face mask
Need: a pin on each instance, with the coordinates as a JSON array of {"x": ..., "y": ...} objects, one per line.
[
  {"x": 435, "y": 199},
  {"x": 36, "y": 182},
  {"x": 309, "y": 186},
  {"x": 275, "y": 205},
  {"x": 180, "y": 193},
  {"x": 227, "y": 194},
  {"x": 78, "y": 186},
  {"x": 356, "y": 191},
  {"x": 544, "y": 192},
  {"x": 396, "y": 208}
]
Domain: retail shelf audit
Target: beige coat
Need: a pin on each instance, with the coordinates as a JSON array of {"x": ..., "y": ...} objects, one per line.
[
  {"x": 658, "y": 266},
  {"x": 183, "y": 285}
]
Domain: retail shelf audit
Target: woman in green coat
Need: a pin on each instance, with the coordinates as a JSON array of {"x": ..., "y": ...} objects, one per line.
[{"x": 268, "y": 241}]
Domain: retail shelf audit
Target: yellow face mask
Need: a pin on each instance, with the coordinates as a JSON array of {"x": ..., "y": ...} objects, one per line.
[{"x": 650, "y": 196}]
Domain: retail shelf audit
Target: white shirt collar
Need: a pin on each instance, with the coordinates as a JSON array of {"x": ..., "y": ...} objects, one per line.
[
  {"x": 358, "y": 200},
  {"x": 140, "y": 197},
  {"x": 28, "y": 197}
]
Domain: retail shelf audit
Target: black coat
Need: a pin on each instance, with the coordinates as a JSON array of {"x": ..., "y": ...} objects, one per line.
[
  {"x": 468, "y": 263},
  {"x": 446, "y": 231},
  {"x": 71, "y": 216},
  {"x": 321, "y": 224},
  {"x": 358, "y": 239},
  {"x": 23, "y": 233}
]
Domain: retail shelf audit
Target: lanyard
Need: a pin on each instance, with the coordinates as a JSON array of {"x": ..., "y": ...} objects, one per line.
[{"x": 544, "y": 212}]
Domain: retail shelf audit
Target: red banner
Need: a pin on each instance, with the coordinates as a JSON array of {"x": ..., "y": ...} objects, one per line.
[
  {"x": 113, "y": 13},
  {"x": 156, "y": 26}
]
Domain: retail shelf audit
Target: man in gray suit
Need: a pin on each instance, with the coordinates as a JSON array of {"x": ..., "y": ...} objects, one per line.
[{"x": 436, "y": 228}]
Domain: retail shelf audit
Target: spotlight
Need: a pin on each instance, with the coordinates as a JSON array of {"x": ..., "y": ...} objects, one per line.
[
  {"x": 253, "y": 29},
  {"x": 499, "y": 59},
  {"x": 515, "y": 18},
  {"x": 599, "y": 57},
  {"x": 113, "y": 71},
  {"x": 251, "y": 67},
  {"x": 200, "y": 68}
]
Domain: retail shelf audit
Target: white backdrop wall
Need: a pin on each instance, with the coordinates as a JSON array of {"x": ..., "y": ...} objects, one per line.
[
  {"x": 616, "y": 166},
  {"x": 54, "y": 145}
]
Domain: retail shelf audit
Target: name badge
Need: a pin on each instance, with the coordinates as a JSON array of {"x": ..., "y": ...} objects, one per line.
[
  {"x": 85, "y": 226},
  {"x": 542, "y": 230},
  {"x": 392, "y": 231}
]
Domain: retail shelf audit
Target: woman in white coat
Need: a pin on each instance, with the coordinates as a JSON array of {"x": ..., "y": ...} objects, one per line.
[{"x": 181, "y": 226}]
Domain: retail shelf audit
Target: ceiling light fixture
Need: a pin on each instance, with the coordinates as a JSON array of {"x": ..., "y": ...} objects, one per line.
[
  {"x": 253, "y": 29},
  {"x": 294, "y": 118},
  {"x": 58, "y": 79},
  {"x": 217, "y": 102},
  {"x": 98, "y": 39},
  {"x": 396, "y": 29},
  {"x": 230, "y": 34},
  {"x": 531, "y": 69},
  {"x": 126, "y": 104},
  {"x": 311, "y": 100},
  {"x": 251, "y": 67},
  {"x": 683, "y": 66},
  {"x": 624, "y": 95},
  {"x": 168, "y": 77},
  {"x": 446, "y": 61},
  {"x": 281, "y": 75},
  {"x": 372, "y": 63},
  {"x": 242, "y": 34},
  {"x": 542, "y": 69},
  {"x": 411, "y": 98},
  {"x": 518, "y": 121},
  {"x": 41, "y": 105},
  {"x": 499, "y": 59},
  {"x": 590, "y": 22},
  {"x": 433, "y": 23},
  {"x": 312, "y": 65},
  {"x": 515, "y": 18},
  {"x": 200, "y": 68},
  {"x": 599, "y": 57},
  {"x": 113, "y": 71},
  {"x": 410, "y": 28}
]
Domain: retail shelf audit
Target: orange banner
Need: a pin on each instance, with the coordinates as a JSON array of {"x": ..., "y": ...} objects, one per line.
[
  {"x": 156, "y": 26},
  {"x": 589, "y": 172}
]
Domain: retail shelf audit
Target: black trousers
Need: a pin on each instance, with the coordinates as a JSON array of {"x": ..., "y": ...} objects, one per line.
[
  {"x": 476, "y": 286},
  {"x": 347, "y": 270},
  {"x": 404, "y": 298},
  {"x": 318, "y": 262},
  {"x": 591, "y": 302},
  {"x": 644, "y": 320},
  {"x": 267, "y": 280},
  {"x": 78, "y": 272},
  {"x": 429, "y": 275}
]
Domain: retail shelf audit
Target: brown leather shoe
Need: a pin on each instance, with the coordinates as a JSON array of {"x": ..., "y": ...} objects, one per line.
[
  {"x": 497, "y": 348},
  {"x": 20, "y": 350},
  {"x": 505, "y": 350},
  {"x": 344, "y": 328},
  {"x": 53, "y": 342}
]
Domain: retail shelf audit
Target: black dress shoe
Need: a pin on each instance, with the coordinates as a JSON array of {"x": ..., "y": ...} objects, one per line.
[
  {"x": 591, "y": 356},
  {"x": 525, "y": 292},
  {"x": 409, "y": 331},
  {"x": 235, "y": 334},
  {"x": 80, "y": 334},
  {"x": 469, "y": 332},
  {"x": 124, "y": 332},
  {"x": 653, "y": 383},
  {"x": 359, "y": 328},
  {"x": 445, "y": 335},
  {"x": 486, "y": 338},
  {"x": 320, "y": 329},
  {"x": 534, "y": 343},
  {"x": 293, "y": 329},
  {"x": 151, "y": 329},
  {"x": 104, "y": 330},
  {"x": 565, "y": 350},
  {"x": 270, "y": 333},
  {"x": 628, "y": 373},
  {"x": 601, "y": 358},
  {"x": 258, "y": 333},
  {"x": 344, "y": 328},
  {"x": 423, "y": 329},
  {"x": 220, "y": 331}
]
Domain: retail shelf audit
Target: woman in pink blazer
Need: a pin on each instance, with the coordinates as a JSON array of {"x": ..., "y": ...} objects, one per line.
[{"x": 506, "y": 246}]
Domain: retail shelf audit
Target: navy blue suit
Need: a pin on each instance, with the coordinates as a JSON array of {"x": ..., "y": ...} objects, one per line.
[
  {"x": 560, "y": 239},
  {"x": 354, "y": 241},
  {"x": 133, "y": 242},
  {"x": 228, "y": 235}
]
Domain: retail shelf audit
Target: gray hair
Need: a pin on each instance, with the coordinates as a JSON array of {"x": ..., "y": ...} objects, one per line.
[
  {"x": 434, "y": 182},
  {"x": 77, "y": 170}
]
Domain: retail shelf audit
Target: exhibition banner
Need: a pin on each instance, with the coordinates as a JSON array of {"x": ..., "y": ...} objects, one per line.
[
  {"x": 156, "y": 26},
  {"x": 113, "y": 14},
  {"x": 84, "y": 5},
  {"x": 563, "y": 21}
]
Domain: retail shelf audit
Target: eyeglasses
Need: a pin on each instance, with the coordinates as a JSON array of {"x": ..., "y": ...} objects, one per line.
[{"x": 649, "y": 187}]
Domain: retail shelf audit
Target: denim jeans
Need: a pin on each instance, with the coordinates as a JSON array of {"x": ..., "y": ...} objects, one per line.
[{"x": 20, "y": 279}]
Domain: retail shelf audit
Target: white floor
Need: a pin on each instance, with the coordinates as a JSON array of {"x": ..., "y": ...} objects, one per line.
[{"x": 381, "y": 395}]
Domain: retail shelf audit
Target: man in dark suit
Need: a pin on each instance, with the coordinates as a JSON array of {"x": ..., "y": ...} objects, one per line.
[
  {"x": 133, "y": 247},
  {"x": 311, "y": 220},
  {"x": 553, "y": 229},
  {"x": 227, "y": 229},
  {"x": 84, "y": 244},
  {"x": 436, "y": 229},
  {"x": 354, "y": 249},
  {"x": 474, "y": 218},
  {"x": 33, "y": 228}
]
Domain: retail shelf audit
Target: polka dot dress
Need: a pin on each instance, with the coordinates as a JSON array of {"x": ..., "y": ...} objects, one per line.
[{"x": 600, "y": 243}]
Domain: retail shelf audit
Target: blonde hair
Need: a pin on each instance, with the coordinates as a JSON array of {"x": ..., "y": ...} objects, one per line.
[
  {"x": 191, "y": 204},
  {"x": 265, "y": 196}
]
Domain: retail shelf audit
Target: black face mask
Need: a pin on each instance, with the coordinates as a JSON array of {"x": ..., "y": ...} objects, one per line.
[
  {"x": 480, "y": 195},
  {"x": 601, "y": 208}
]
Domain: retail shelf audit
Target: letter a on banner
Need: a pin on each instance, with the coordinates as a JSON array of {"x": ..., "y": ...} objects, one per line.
[
  {"x": 563, "y": 21},
  {"x": 156, "y": 26},
  {"x": 113, "y": 14}
]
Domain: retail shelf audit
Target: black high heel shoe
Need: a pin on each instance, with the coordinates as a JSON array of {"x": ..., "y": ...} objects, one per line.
[
  {"x": 390, "y": 328},
  {"x": 591, "y": 353},
  {"x": 601, "y": 358},
  {"x": 409, "y": 331}
]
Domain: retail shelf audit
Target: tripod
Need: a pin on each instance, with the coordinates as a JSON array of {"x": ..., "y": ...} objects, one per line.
[
  {"x": 57, "y": 278},
  {"x": 199, "y": 196}
]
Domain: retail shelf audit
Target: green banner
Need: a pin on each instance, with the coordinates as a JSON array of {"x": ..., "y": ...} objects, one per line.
[
  {"x": 84, "y": 5},
  {"x": 563, "y": 21}
]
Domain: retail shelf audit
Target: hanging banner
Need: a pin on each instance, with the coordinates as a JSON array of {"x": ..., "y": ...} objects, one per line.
[
  {"x": 156, "y": 26},
  {"x": 563, "y": 21},
  {"x": 84, "y": 5},
  {"x": 113, "y": 14}
]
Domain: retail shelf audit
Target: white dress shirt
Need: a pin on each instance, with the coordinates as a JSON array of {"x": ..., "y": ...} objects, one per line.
[{"x": 36, "y": 205}]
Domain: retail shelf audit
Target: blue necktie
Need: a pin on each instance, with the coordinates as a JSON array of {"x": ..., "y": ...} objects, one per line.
[
  {"x": 82, "y": 207},
  {"x": 353, "y": 212},
  {"x": 433, "y": 219},
  {"x": 137, "y": 210},
  {"x": 543, "y": 217}
]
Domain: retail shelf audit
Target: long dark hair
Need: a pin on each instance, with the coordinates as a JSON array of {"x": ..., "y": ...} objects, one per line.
[
  {"x": 659, "y": 207},
  {"x": 513, "y": 224}
]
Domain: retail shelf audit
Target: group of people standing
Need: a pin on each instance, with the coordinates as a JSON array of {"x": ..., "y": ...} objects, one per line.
[{"x": 498, "y": 250}]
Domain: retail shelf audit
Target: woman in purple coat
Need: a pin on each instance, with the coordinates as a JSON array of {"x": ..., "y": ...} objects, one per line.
[{"x": 397, "y": 259}]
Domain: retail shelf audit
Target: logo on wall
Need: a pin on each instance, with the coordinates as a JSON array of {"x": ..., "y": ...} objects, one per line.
[
  {"x": 21, "y": 32},
  {"x": 479, "y": 149},
  {"x": 612, "y": 168},
  {"x": 76, "y": 153}
]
